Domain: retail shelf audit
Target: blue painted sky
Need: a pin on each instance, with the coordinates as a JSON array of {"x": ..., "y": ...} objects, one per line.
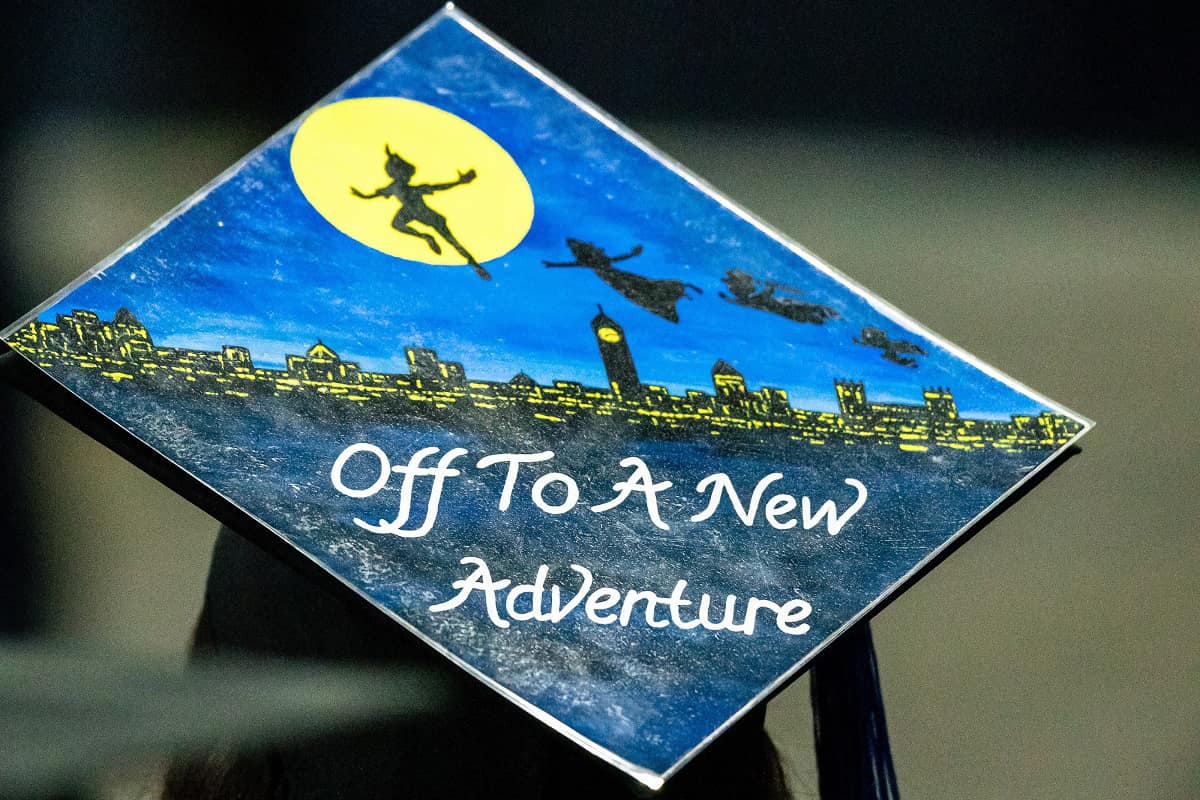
[{"x": 255, "y": 264}]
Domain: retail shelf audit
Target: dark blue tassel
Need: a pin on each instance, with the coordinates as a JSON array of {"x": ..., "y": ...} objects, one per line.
[{"x": 854, "y": 759}]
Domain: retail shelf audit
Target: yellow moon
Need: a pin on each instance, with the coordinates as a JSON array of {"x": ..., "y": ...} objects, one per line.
[{"x": 343, "y": 145}]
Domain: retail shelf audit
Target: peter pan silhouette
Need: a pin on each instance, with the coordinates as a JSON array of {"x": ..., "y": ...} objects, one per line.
[{"x": 414, "y": 209}]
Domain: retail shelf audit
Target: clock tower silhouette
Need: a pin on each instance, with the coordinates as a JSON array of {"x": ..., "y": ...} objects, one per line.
[{"x": 614, "y": 352}]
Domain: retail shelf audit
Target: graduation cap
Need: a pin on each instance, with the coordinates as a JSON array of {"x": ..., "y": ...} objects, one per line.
[{"x": 670, "y": 511}]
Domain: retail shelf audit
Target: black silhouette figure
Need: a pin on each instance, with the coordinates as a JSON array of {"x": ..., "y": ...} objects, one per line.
[
  {"x": 656, "y": 295},
  {"x": 766, "y": 296},
  {"x": 894, "y": 350},
  {"x": 414, "y": 209}
]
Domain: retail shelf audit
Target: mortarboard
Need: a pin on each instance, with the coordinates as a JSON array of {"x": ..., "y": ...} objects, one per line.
[{"x": 546, "y": 399}]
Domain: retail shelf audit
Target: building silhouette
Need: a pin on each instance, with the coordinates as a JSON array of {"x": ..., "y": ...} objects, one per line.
[
  {"x": 122, "y": 350},
  {"x": 614, "y": 352}
]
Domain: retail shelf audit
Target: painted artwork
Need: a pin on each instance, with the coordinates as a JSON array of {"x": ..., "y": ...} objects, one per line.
[{"x": 601, "y": 438}]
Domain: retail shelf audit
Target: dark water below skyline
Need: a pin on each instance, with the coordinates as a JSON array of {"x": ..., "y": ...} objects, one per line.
[{"x": 649, "y": 695}]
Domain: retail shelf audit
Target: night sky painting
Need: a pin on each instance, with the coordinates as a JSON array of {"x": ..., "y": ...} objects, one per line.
[{"x": 593, "y": 264}]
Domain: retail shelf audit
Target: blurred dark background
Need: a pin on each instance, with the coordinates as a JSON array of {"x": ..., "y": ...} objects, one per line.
[
  {"x": 1061, "y": 70},
  {"x": 943, "y": 153}
]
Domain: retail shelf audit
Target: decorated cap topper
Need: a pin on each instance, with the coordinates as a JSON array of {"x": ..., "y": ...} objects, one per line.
[{"x": 604, "y": 440}]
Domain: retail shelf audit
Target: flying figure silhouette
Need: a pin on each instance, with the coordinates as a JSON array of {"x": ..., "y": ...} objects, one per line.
[
  {"x": 656, "y": 295},
  {"x": 414, "y": 209},
  {"x": 773, "y": 297},
  {"x": 897, "y": 351}
]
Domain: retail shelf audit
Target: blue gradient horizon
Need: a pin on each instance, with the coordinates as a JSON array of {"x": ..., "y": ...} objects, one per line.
[{"x": 254, "y": 264}]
